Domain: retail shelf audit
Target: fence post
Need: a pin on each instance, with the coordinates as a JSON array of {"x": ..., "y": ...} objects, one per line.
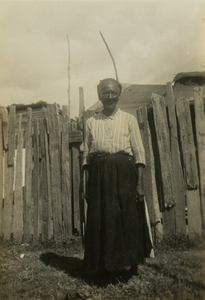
[
  {"x": 178, "y": 181},
  {"x": 35, "y": 183},
  {"x": 83, "y": 203},
  {"x": 11, "y": 136},
  {"x": 66, "y": 176},
  {"x": 18, "y": 195},
  {"x": 160, "y": 119},
  {"x": 190, "y": 167},
  {"x": 76, "y": 183},
  {"x": 9, "y": 177},
  {"x": 28, "y": 178},
  {"x": 48, "y": 176},
  {"x": 200, "y": 134},
  {"x": 150, "y": 188},
  {"x": 54, "y": 152}
]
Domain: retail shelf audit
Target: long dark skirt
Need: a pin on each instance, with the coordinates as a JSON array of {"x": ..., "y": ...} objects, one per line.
[{"x": 115, "y": 232}]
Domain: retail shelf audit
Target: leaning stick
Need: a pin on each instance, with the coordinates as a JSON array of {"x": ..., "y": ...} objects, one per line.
[
  {"x": 110, "y": 55},
  {"x": 68, "y": 77}
]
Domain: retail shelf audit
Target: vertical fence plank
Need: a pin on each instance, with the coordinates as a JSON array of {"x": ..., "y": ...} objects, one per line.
[
  {"x": 76, "y": 187},
  {"x": 43, "y": 186},
  {"x": 187, "y": 143},
  {"x": 35, "y": 183},
  {"x": 18, "y": 195},
  {"x": 8, "y": 199},
  {"x": 48, "y": 177},
  {"x": 11, "y": 136},
  {"x": 149, "y": 174},
  {"x": 164, "y": 149},
  {"x": 9, "y": 177},
  {"x": 194, "y": 213},
  {"x": 1, "y": 170},
  {"x": 66, "y": 184},
  {"x": 54, "y": 151},
  {"x": 81, "y": 108},
  {"x": 28, "y": 178},
  {"x": 162, "y": 133},
  {"x": 200, "y": 134},
  {"x": 76, "y": 184},
  {"x": 83, "y": 203},
  {"x": 178, "y": 181},
  {"x": 5, "y": 127},
  {"x": 190, "y": 167}
]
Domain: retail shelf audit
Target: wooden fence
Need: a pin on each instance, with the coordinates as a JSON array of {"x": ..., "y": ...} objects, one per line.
[
  {"x": 41, "y": 190},
  {"x": 40, "y": 199},
  {"x": 173, "y": 132}
]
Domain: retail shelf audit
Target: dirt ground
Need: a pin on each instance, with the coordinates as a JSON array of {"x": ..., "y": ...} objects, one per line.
[{"x": 56, "y": 272}]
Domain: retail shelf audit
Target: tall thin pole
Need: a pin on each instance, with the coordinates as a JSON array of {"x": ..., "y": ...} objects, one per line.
[
  {"x": 68, "y": 76},
  {"x": 116, "y": 75}
]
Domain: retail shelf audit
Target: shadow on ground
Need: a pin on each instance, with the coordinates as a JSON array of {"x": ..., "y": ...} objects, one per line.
[{"x": 73, "y": 266}]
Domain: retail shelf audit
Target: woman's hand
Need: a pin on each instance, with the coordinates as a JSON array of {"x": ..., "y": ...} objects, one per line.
[
  {"x": 140, "y": 192},
  {"x": 140, "y": 188}
]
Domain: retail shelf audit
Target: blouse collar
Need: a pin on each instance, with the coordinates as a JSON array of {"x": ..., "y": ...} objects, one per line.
[{"x": 111, "y": 116}]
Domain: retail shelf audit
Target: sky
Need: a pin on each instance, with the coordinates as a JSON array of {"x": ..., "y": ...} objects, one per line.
[{"x": 150, "y": 41}]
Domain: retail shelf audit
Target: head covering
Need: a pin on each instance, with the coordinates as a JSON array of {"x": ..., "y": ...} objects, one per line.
[{"x": 107, "y": 81}]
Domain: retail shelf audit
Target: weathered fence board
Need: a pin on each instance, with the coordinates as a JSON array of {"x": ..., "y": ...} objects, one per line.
[
  {"x": 75, "y": 136},
  {"x": 76, "y": 184},
  {"x": 5, "y": 127},
  {"x": 194, "y": 213},
  {"x": 178, "y": 181},
  {"x": 9, "y": 178},
  {"x": 28, "y": 178},
  {"x": 48, "y": 177},
  {"x": 35, "y": 183},
  {"x": 18, "y": 195},
  {"x": 43, "y": 186},
  {"x": 8, "y": 199},
  {"x": 81, "y": 108},
  {"x": 66, "y": 186},
  {"x": 187, "y": 143},
  {"x": 55, "y": 167},
  {"x": 76, "y": 187},
  {"x": 190, "y": 167},
  {"x": 149, "y": 173},
  {"x": 163, "y": 142},
  {"x": 164, "y": 149},
  {"x": 1, "y": 170},
  {"x": 11, "y": 135},
  {"x": 83, "y": 204},
  {"x": 200, "y": 135}
]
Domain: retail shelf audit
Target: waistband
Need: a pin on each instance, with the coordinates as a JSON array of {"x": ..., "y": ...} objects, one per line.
[{"x": 102, "y": 154}]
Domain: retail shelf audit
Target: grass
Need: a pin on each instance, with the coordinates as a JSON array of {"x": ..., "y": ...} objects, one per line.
[{"x": 51, "y": 272}]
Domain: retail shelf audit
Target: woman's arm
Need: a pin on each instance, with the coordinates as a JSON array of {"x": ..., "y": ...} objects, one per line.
[{"x": 140, "y": 185}]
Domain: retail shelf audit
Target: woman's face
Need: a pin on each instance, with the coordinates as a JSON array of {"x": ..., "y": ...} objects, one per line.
[{"x": 109, "y": 96}]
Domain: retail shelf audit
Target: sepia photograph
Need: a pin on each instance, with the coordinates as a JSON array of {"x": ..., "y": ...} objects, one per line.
[{"x": 102, "y": 150}]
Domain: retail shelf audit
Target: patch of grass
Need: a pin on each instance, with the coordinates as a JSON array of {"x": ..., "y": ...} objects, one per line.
[
  {"x": 180, "y": 242},
  {"x": 56, "y": 272}
]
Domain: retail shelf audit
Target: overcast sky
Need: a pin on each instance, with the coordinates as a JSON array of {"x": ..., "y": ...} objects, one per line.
[{"x": 151, "y": 42}]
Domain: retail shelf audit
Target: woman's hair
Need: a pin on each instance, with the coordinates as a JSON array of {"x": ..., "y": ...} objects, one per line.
[{"x": 108, "y": 80}]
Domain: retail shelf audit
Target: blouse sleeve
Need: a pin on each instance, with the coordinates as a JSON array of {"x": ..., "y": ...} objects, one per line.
[
  {"x": 86, "y": 144},
  {"x": 136, "y": 142}
]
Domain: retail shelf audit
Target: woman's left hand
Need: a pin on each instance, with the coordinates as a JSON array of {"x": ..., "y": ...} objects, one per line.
[{"x": 140, "y": 192}]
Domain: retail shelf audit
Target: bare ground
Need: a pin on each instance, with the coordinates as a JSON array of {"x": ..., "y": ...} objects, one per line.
[{"x": 51, "y": 272}]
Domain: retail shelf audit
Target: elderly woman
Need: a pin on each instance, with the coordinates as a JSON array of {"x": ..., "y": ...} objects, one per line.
[{"x": 114, "y": 157}]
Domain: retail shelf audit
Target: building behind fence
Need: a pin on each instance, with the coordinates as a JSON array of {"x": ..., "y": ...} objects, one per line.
[{"x": 41, "y": 180}]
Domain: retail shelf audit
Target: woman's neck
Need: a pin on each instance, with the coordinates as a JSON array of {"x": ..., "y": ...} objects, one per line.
[{"x": 109, "y": 113}]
